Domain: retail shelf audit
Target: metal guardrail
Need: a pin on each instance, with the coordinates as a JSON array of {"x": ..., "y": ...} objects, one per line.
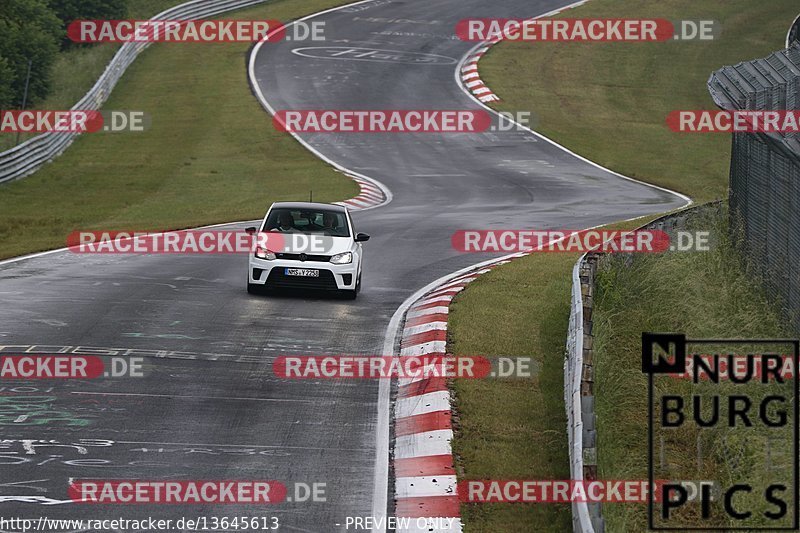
[
  {"x": 579, "y": 393},
  {"x": 31, "y": 155}
]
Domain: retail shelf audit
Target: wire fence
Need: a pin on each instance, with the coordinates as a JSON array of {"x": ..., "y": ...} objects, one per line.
[{"x": 765, "y": 172}]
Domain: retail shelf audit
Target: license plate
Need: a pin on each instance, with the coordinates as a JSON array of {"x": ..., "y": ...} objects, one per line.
[{"x": 302, "y": 272}]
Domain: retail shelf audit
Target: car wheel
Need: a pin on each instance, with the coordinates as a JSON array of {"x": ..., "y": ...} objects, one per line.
[{"x": 350, "y": 295}]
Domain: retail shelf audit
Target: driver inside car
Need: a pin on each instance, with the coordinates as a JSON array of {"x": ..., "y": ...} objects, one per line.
[
  {"x": 329, "y": 223},
  {"x": 285, "y": 222}
]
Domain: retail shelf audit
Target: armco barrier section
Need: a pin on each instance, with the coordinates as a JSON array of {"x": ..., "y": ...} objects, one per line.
[
  {"x": 579, "y": 392},
  {"x": 37, "y": 151},
  {"x": 765, "y": 171}
]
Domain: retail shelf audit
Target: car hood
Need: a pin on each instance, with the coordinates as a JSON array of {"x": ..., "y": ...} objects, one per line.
[{"x": 338, "y": 245}]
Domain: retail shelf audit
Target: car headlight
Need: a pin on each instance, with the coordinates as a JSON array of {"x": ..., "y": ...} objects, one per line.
[
  {"x": 263, "y": 253},
  {"x": 342, "y": 259}
]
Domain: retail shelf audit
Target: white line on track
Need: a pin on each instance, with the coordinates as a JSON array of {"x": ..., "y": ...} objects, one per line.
[
  {"x": 435, "y": 175},
  {"x": 266, "y": 105},
  {"x": 191, "y": 444},
  {"x": 199, "y": 397}
]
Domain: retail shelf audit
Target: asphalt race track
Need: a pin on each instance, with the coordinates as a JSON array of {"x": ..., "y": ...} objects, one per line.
[{"x": 209, "y": 406}]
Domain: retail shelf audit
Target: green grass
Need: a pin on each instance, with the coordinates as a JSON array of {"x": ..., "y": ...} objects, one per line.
[
  {"x": 211, "y": 155},
  {"x": 704, "y": 295},
  {"x": 513, "y": 428},
  {"x": 609, "y": 101}
]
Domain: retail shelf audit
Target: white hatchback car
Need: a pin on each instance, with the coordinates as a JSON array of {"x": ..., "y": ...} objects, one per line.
[{"x": 317, "y": 249}]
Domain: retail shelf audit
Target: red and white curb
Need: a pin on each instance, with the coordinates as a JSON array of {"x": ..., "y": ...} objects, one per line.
[
  {"x": 472, "y": 79},
  {"x": 424, "y": 471},
  {"x": 371, "y": 195}
]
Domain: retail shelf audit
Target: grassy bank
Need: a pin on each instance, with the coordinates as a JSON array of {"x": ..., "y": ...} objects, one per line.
[
  {"x": 77, "y": 68},
  {"x": 704, "y": 295},
  {"x": 211, "y": 154},
  {"x": 607, "y": 102}
]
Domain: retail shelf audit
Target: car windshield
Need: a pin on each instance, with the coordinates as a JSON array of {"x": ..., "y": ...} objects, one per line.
[{"x": 312, "y": 221}]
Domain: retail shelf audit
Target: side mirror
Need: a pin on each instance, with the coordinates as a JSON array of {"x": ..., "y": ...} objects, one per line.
[
  {"x": 250, "y": 231},
  {"x": 362, "y": 237}
]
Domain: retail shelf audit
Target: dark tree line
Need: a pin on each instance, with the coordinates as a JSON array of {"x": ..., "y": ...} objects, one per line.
[{"x": 35, "y": 31}]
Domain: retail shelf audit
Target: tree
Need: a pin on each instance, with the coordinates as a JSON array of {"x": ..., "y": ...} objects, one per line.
[
  {"x": 70, "y": 10},
  {"x": 29, "y": 30},
  {"x": 6, "y": 93}
]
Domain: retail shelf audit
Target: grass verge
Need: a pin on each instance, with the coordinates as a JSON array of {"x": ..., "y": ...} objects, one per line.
[
  {"x": 211, "y": 154},
  {"x": 607, "y": 102},
  {"x": 513, "y": 428}
]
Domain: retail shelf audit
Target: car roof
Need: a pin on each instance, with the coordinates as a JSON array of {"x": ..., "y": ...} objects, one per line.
[{"x": 308, "y": 205}]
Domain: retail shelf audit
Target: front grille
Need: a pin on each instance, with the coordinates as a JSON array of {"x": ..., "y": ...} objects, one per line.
[
  {"x": 279, "y": 280},
  {"x": 308, "y": 257}
]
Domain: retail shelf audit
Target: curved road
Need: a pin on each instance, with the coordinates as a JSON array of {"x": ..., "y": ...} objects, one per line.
[{"x": 209, "y": 407}]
